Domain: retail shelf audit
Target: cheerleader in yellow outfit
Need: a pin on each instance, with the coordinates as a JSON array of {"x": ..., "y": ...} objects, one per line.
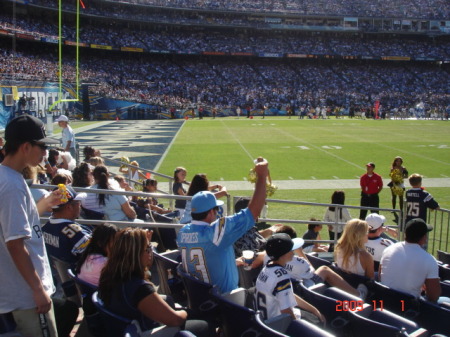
[{"x": 397, "y": 174}]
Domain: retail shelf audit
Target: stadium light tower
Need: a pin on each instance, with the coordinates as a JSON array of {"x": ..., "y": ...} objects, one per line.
[{"x": 77, "y": 54}]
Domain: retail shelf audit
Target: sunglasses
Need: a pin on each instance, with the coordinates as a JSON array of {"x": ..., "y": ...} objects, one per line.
[{"x": 41, "y": 145}]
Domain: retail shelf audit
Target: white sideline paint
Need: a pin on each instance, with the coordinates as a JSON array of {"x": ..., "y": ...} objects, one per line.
[{"x": 327, "y": 184}]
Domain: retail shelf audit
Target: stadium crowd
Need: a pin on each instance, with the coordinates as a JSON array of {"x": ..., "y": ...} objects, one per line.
[
  {"x": 434, "y": 9},
  {"x": 182, "y": 82},
  {"x": 116, "y": 36},
  {"x": 117, "y": 261}
]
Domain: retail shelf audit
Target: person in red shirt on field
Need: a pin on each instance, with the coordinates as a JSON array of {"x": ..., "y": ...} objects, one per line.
[{"x": 371, "y": 184}]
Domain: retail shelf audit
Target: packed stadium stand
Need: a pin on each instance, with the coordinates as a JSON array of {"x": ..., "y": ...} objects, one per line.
[{"x": 240, "y": 53}]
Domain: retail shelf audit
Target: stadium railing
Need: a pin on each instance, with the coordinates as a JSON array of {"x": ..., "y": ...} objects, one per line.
[
  {"x": 438, "y": 238},
  {"x": 321, "y": 205}
]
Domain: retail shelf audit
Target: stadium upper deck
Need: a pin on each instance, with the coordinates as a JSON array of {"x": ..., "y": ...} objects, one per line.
[{"x": 396, "y": 15}]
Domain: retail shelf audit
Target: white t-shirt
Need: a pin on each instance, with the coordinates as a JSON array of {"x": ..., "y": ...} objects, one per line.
[
  {"x": 67, "y": 135},
  {"x": 19, "y": 218},
  {"x": 274, "y": 291},
  {"x": 330, "y": 216},
  {"x": 375, "y": 247},
  {"x": 405, "y": 267}
]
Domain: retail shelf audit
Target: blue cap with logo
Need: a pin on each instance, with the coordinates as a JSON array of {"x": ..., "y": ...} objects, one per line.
[{"x": 204, "y": 201}]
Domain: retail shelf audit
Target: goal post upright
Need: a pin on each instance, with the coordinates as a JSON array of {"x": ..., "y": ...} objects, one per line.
[{"x": 60, "y": 57}]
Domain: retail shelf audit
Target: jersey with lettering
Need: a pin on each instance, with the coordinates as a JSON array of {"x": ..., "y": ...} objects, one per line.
[
  {"x": 376, "y": 246},
  {"x": 65, "y": 239},
  {"x": 274, "y": 291},
  {"x": 207, "y": 249},
  {"x": 417, "y": 202}
]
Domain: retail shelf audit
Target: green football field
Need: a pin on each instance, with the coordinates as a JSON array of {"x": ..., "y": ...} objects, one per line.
[
  {"x": 332, "y": 149},
  {"x": 310, "y": 149}
]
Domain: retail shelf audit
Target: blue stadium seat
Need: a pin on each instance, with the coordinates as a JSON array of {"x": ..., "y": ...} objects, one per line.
[
  {"x": 353, "y": 279},
  {"x": 114, "y": 325},
  {"x": 166, "y": 266},
  {"x": 317, "y": 262},
  {"x": 444, "y": 257},
  {"x": 305, "y": 329},
  {"x": 264, "y": 329},
  {"x": 445, "y": 286},
  {"x": 336, "y": 320},
  {"x": 68, "y": 284},
  {"x": 91, "y": 314},
  {"x": 444, "y": 271},
  {"x": 235, "y": 318},
  {"x": 434, "y": 318},
  {"x": 247, "y": 278},
  {"x": 380, "y": 322},
  {"x": 198, "y": 295},
  {"x": 184, "y": 333},
  {"x": 398, "y": 302}
]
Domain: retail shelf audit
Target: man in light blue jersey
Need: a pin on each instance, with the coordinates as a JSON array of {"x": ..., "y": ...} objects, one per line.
[{"x": 207, "y": 242}]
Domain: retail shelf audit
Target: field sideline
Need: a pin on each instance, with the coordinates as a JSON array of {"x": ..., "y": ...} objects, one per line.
[{"x": 315, "y": 153}]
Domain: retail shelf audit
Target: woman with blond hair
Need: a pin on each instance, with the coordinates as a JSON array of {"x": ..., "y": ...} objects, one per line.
[
  {"x": 126, "y": 290},
  {"x": 350, "y": 254}
]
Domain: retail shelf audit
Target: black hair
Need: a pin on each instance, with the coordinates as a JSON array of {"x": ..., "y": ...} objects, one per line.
[
  {"x": 241, "y": 204},
  {"x": 101, "y": 177},
  {"x": 12, "y": 146},
  {"x": 101, "y": 236},
  {"x": 52, "y": 154},
  {"x": 89, "y": 152},
  {"x": 289, "y": 230},
  {"x": 203, "y": 215},
  {"x": 338, "y": 198},
  {"x": 198, "y": 184},
  {"x": 147, "y": 182},
  {"x": 80, "y": 175}
]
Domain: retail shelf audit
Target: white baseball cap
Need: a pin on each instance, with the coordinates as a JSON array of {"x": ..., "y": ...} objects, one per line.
[
  {"x": 375, "y": 220},
  {"x": 62, "y": 118}
]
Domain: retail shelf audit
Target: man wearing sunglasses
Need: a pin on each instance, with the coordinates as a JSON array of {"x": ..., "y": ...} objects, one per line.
[{"x": 25, "y": 273}]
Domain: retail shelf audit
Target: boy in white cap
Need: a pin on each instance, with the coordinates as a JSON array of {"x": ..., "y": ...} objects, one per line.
[{"x": 68, "y": 136}]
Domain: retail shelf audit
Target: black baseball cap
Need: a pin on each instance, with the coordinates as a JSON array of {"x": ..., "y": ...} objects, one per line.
[
  {"x": 281, "y": 243},
  {"x": 416, "y": 228},
  {"x": 27, "y": 128}
]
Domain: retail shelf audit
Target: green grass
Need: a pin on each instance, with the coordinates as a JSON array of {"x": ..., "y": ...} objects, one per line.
[
  {"x": 301, "y": 149},
  {"x": 312, "y": 149}
]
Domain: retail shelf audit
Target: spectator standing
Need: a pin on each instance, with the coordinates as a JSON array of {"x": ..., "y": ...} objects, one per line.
[
  {"x": 407, "y": 267},
  {"x": 68, "y": 136},
  {"x": 206, "y": 243},
  {"x": 371, "y": 185},
  {"x": 25, "y": 273},
  {"x": 179, "y": 176},
  {"x": 333, "y": 214},
  {"x": 397, "y": 174},
  {"x": 418, "y": 200}
]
